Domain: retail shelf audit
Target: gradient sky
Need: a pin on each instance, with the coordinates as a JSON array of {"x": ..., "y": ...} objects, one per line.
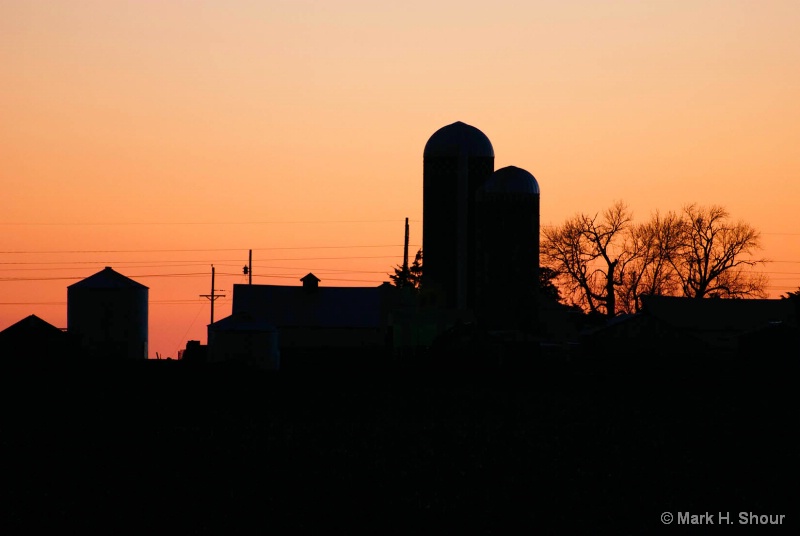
[{"x": 160, "y": 137}]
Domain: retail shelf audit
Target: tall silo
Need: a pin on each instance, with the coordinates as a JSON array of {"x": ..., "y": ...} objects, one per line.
[
  {"x": 457, "y": 160},
  {"x": 107, "y": 313},
  {"x": 507, "y": 267}
]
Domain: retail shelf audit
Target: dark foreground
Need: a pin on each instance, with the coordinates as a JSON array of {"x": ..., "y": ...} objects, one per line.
[{"x": 164, "y": 448}]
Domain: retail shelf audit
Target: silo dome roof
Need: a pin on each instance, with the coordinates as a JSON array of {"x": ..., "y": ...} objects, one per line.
[
  {"x": 511, "y": 180},
  {"x": 106, "y": 279},
  {"x": 451, "y": 139}
]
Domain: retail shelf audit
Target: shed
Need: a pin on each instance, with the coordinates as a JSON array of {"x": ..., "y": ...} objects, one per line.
[
  {"x": 246, "y": 339},
  {"x": 34, "y": 338}
]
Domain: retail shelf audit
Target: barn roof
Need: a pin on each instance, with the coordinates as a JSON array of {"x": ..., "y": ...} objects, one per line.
[
  {"x": 295, "y": 306},
  {"x": 31, "y": 326},
  {"x": 242, "y": 321}
]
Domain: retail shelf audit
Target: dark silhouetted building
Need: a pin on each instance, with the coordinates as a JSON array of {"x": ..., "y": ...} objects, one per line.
[
  {"x": 480, "y": 232},
  {"x": 507, "y": 250},
  {"x": 107, "y": 314},
  {"x": 678, "y": 330},
  {"x": 194, "y": 352},
  {"x": 457, "y": 160},
  {"x": 33, "y": 339},
  {"x": 319, "y": 321},
  {"x": 245, "y": 339}
]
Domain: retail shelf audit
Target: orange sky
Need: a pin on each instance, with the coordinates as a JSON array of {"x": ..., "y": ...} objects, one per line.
[{"x": 134, "y": 129}]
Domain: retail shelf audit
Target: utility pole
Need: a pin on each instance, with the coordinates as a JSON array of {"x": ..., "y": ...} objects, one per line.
[
  {"x": 248, "y": 268},
  {"x": 213, "y": 296},
  {"x": 405, "y": 253}
]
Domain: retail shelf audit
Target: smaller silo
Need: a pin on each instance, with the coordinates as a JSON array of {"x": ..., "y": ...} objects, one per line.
[
  {"x": 507, "y": 267},
  {"x": 107, "y": 313}
]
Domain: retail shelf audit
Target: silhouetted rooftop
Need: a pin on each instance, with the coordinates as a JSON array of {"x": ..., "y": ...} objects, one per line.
[
  {"x": 31, "y": 325},
  {"x": 34, "y": 339},
  {"x": 718, "y": 314},
  {"x": 451, "y": 139},
  {"x": 512, "y": 180},
  {"x": 107, "y": 278},
  {"x": 294, "y": 306},
  {"x": 242, "y": 321}
]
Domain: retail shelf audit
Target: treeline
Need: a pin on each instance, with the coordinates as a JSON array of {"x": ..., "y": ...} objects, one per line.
[{"x": 605, "y": 263}]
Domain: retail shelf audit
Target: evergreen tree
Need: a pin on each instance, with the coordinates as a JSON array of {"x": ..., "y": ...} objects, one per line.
[
  {"x": 547, "y": 288},
  {"x": 411, "y": 276}
]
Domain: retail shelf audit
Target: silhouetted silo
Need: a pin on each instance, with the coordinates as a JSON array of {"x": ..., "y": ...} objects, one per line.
[
  {"x": 107, "y": 313},
  {"x": 457, "y": 160},
  {"x": 507, "y": 267}
]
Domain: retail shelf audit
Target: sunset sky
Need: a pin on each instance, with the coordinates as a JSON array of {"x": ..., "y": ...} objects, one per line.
[{"x": 161, "y": 137}]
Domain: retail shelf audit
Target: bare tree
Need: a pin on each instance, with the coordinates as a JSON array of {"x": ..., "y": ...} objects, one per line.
[
  {"x": 716, "y": 254},
  {"x": 606, "y": 264},
  {"x": 653, "y": 247},
  {"x": 590, "y": 255}
]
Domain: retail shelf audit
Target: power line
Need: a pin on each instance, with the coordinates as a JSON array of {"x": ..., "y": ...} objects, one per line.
[
  {"x": 317, "y": 269},
  {"x": 194, "y": 262},
  {"x": 183, "y": 338},
  {"x": 20, "y": 252},
  {"x": 33, "y": 303},
  {"x": 194, "y": 274},
  {"x": 142, "y": 223},
  {"x": 158, "y": 302},
  {"x": 326, "y": 279},
  {"x": 197, "y": 274},
  {"x": 193, "y": 265}
]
